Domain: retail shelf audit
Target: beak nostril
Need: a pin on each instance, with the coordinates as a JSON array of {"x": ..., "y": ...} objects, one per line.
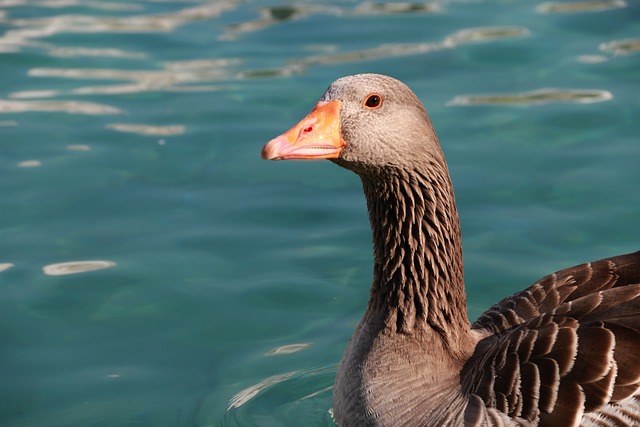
[{"x": 317, "y": 136}]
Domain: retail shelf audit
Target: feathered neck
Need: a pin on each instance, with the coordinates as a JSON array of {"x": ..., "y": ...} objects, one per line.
[{"x": 418, "y": 271}]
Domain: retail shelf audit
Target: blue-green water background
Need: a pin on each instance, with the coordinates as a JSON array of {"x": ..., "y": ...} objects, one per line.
[{"x": 238, "y": 281}]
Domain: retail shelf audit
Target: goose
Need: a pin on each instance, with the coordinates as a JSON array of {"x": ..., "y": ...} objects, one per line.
[{"x": 563, "y": 352}]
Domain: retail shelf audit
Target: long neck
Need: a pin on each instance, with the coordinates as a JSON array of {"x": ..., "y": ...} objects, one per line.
[{"x": 418, "y": 272}]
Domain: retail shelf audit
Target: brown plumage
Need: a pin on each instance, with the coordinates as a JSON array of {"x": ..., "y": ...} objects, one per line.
[{"x": 563, "y": 352}]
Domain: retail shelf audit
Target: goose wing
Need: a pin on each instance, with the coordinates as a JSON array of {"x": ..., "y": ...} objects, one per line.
[{"x": 563, "y": 349}]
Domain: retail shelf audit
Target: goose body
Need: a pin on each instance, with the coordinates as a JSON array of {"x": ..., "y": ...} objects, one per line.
[{"x": 563, "y": 352}]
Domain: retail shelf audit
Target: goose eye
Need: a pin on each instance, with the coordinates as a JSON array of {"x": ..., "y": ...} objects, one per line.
[{"x": 373, "y": 101}]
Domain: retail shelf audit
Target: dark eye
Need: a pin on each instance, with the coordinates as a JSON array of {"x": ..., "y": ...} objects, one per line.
[{"x": 373, "y": 101}]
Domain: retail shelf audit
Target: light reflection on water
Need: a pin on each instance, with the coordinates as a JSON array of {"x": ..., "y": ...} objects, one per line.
[
  {"x": 5, "y": 266},
  {"x": 581, "y": 6},
  {"x": 43, "y": 27},
  {"x": 152, "y": 130},
  {"x": 186, "y": 75},
  {"x": 622, "y": 47},
  {"x": 223, "y": 289},
  {"x": 541, "y": 96},
  {"x": 181, "y": 75},
  {"x": 69, "y": 107},
  {"x": 75, "y": 267}
]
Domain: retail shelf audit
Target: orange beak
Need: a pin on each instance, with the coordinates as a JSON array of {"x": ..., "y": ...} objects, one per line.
[{"x": 317, "y": 136}]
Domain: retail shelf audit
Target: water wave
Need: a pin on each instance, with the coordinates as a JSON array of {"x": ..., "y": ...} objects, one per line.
[
  {"x": 581, "y": 6},
  {"x": 273, "y": 15},
  {"x": 459, "y": 38},
  {"x": 243, "y": 397},
  {"x": 152, "y": 130},
  {"x": 288, "y": 349},
  {"x": 29, "y": 164},
  {"x": 69, "y": 107},
  {"x": 5, "y": 266},
  {"x": 535, "y": 97},
  {"x": 621, "y": 47},
  {"x": 74, "y": 267}
]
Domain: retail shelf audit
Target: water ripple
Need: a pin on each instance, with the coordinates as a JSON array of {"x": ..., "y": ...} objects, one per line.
[
  {"x": 29, "y": 164},
  {"x": 462, "y": 37},
  {"x": 382, "y": 51},
  {"x": 273, "y": 15},
  {"x": 69, "y": 107},
  {"x": 484, "y": 34},
  {"x": 48, "y": 26},
  {"x": 71, "y": 52},
  {"x": 189, "y": 75},
  {"x": 176, "y": 76},
  {"x": 373, "y": 8},
  {"x": 244, "y": 396},
  {"x": 288, "y": 349},
  {"x": 27, "y": 31},
  {"x": 247, "y": 394},
  {"x": 270, "y": 16},
  {"x": 74, "y": 267},
  {"x": 536, "y": 97},
  {"x": 621, "y": 47},
  {"x": 581, "y": 6},
  {"x": 59, "y": 4},
  {"x": 79, "y": 147},
  {"x": 592, "y": 59},
  {"x": 152, "y": 130}
]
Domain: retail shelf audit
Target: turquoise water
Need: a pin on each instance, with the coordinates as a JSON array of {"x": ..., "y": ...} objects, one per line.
[{"x": 130, "y": 135}]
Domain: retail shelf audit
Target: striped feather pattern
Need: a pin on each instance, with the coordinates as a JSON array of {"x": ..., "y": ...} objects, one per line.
[{"x": 563, "y": 352}]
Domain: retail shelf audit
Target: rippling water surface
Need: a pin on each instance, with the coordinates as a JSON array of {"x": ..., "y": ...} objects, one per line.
[{"x": 155, "y": 272}]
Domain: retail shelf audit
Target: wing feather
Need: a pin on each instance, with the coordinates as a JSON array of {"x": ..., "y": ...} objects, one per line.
[{"x": 563, "y": 350}]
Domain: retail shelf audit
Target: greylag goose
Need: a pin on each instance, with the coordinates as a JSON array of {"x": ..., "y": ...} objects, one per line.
[{"x": 563, "y": 352}]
